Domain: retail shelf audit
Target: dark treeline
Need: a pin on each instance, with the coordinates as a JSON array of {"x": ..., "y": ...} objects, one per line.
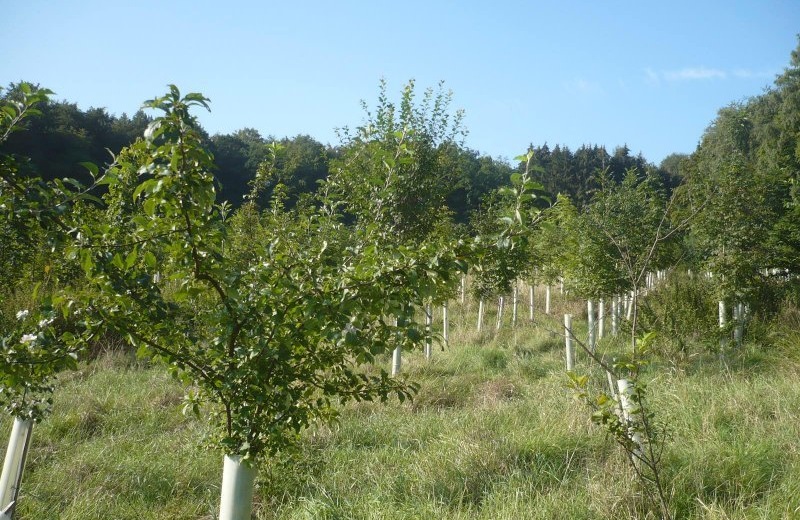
[
  {"x": 64, "y": 136},
  {"x": 578, "y": 174}
]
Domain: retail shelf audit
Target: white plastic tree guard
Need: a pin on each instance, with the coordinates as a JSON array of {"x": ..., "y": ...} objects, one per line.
[
  {"x": 463, "y": 289},
  {"x": 601, "y": 318},
  {"x": 13, "y": 465},
  {"x": 514, "y": 302},
  {"x": 236, "y": 500},
  {"x": 547, "y": 300},
  {"x": 530, "y": 301},
  {"x": 738, "y": 319},
  {"x": 445, "y": 325},
  {"x": 629, "y": 314},
  {"x": 723, "y": 342},
  {"x": 615, "y": 305},
  {"x": 397, "y": 360},
  {"x": 428, "y": 327},
  {"x": 625, "y": 391},
  {"x": 480, "y": 314},
  {"x": 397, "y": 356},
  {"x": 592, "y": 335},
  {"x": 612, "y": 388},
  {"x": 500, "y": 305},
  {"x": 570, "y": 351}
]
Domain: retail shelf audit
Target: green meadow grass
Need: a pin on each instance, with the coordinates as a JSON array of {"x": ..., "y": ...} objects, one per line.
[{"x": 493, "y": 434}]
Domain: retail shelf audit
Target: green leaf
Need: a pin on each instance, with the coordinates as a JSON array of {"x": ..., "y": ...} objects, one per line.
[
  {"x": 87, "y": 262},
  {"x": 146, "y": 186},
  {"x": 92, "y": 167},
  {"x": 130, "y": 259},
  {"x": 149, "y": 207}
]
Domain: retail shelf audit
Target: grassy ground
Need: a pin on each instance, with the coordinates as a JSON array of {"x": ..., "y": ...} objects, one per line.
[{"x": 493, "y": 434}]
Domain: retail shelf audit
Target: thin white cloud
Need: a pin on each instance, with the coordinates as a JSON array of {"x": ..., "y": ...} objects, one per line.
[
  {"x": 655, "y": 77},
  {"x": 694, "y": 73},
  {"x": 651, "y": 76},
  {"x": 750, "y": 74},
  {"x": 583, "y": 86}
]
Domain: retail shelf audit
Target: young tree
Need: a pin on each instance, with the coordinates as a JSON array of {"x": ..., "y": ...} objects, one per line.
[
  {"x": 732, "y": 230},
  {"x": 503, "y": 249},
  {"x": 268, "y": 342},
  {"x": 614, "y": 243},
  {"x": 395, "y": 170},
  {"x": 744, "y": 171},
  {"x": 624, "y": 233},
  {"x": 40, "y": 329},
  {"x": 395, "y": 174}
]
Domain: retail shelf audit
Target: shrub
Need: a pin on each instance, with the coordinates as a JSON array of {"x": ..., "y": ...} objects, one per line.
[{"x": 684, "y": 314}]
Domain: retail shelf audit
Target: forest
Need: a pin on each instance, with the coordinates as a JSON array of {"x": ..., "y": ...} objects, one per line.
[
  {"x": 396, "y": 326},
  {"x": 57, "y": 141}
]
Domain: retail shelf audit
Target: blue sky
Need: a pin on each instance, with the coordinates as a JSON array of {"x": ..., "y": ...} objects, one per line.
[{"x": 651, "y": 75}]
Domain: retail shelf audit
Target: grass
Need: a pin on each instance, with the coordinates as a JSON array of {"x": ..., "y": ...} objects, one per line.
[{"x": 493, "y": 434}]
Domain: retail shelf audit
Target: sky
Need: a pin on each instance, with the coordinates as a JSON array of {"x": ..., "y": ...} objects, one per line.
[{"x": 646, "y": 74}]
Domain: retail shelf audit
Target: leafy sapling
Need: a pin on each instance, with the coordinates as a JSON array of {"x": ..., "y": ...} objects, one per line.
[
  {"x": 38, "y": 219},
  {"x": 268, "y": 334}
]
